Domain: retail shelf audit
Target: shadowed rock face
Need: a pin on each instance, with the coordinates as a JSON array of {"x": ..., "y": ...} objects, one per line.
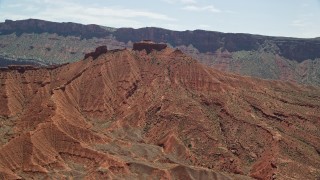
[
  {"x": 209, "y": 41},
  {"x": 132, "y": 115},
  {"x": 64, "y": 29},
  {"x": 99, "y": 50},
  {"x": 204, "y": 41},
  {"x": 148, "y": 46}
]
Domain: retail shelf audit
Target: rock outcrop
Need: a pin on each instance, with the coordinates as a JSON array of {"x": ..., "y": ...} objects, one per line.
[
  {"x": 148, "y": 46},
  {"x": 132, "y": 115},
  {"x": 99, "y": 50}
]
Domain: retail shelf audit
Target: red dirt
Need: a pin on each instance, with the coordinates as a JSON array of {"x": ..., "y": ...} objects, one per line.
[{"x": 133, "y": 115}]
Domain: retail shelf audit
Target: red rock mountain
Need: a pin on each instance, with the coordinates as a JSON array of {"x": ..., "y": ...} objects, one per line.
[{"x": 162, "y": 115}]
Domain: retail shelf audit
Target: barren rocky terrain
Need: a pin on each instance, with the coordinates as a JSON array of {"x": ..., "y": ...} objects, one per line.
[
  {"x": 278, "y": 58},
  {"x": 129, "y": 114}
]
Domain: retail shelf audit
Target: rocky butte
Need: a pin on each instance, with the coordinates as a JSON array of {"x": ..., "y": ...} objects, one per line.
[{"x": 150, "y": 114}]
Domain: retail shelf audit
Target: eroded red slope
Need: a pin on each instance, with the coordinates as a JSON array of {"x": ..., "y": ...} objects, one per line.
[{"x": 129, "y": 114}]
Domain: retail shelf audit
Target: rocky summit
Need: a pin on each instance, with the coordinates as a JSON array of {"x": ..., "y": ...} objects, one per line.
[
  {"x": 154, "y": 114},
  {"x": 148, "y": 46},
  {"x": 99, "y": 50}
]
